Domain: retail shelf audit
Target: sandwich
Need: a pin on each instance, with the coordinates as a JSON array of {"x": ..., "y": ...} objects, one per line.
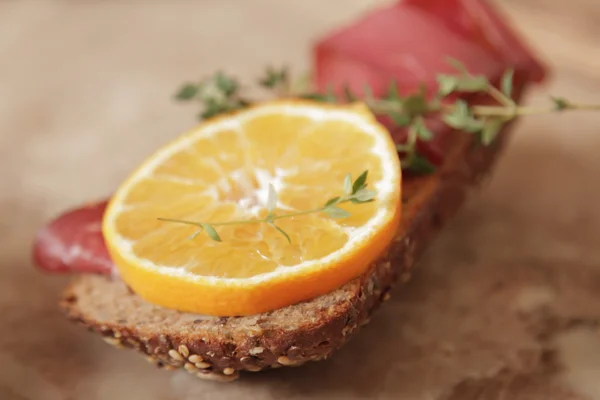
[{"x": 416, "y": 177}]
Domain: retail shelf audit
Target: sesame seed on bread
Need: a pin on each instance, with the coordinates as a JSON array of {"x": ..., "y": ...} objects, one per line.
[{"x": 219, "y": 348}]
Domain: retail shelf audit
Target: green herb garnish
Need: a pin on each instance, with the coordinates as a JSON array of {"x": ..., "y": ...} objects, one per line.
[
  {"x": 355, "y": 192},
  {"x": 221, "y": 94}
]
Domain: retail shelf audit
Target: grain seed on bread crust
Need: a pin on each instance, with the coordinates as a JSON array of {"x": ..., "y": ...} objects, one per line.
[{"x": 218, "y": 348}]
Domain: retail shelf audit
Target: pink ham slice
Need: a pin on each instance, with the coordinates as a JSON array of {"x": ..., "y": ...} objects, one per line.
[
  {"x": 480, "y": 22},
  {"x": 408, "y": 42},
  {"x": 74, "y": 242},
  {"x": 396, "y": 43},
  {"x": 411, "y": 41}
]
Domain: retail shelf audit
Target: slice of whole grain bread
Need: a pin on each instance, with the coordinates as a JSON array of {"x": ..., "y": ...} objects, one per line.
[{"x": 218, "y": 348}]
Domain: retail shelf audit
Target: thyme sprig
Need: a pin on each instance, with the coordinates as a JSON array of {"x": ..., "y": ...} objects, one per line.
[
  {"x": 218, "y": 95},
  {"x": 221, "y": 94},
  {"x": 355, "y": 192}
]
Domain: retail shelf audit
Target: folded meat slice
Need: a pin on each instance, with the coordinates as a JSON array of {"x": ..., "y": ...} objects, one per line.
[
  {"x": 410, "y": 42},
  {"x": 402, "y": 44},
  {"x": 74, "y": 242},
  {"x": 481, "y": 23}
]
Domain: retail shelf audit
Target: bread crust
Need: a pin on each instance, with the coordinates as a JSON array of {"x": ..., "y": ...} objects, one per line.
[{"x": 219, "y": 348}]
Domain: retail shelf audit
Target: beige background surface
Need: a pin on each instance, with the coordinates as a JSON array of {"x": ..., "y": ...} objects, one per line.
[{"x": 506, "y": 304}]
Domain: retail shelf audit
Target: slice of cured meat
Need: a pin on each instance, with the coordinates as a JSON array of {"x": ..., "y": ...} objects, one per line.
[
  {"x": 482, "y": 23},
  {"x": 405, "y": 44},
  {"x": 74, "y": 242}
]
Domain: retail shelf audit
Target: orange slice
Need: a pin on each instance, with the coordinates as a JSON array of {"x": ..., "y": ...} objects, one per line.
[{"x": 221, "y": 171}]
